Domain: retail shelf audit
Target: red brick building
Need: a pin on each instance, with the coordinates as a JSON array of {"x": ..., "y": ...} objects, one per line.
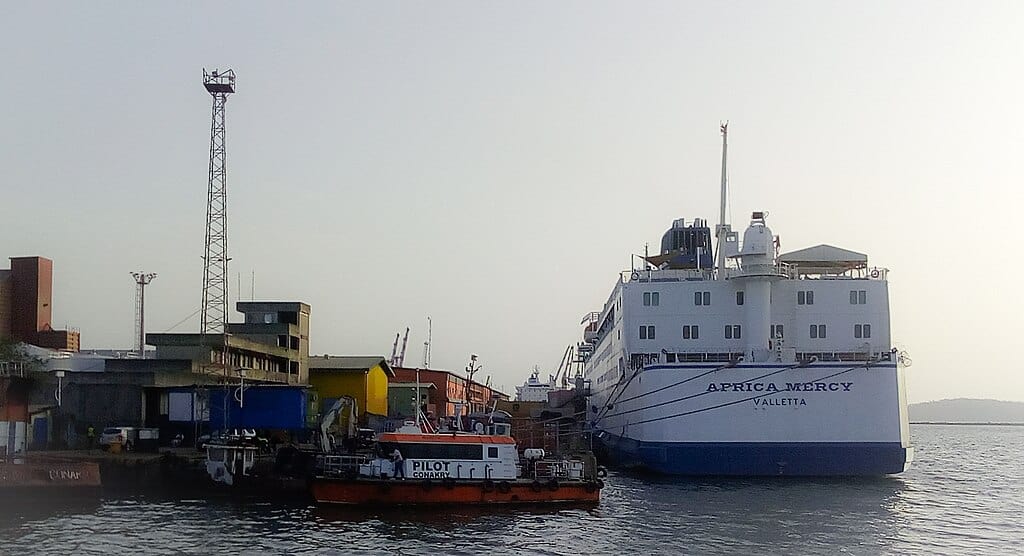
[
  {"x": 26, "y": 305},
  {"x": 450, "y": 389}
]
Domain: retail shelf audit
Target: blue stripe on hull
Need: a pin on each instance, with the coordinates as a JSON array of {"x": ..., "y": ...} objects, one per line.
[{"x": 749, "y": 459}]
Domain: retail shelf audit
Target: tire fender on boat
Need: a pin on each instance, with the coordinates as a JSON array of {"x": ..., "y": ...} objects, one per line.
[
  {"x": 600, "y": 484},
  {"x": 448, "y": 483},
  {"x": 488, "y": 485},
  {"x": 602, "y": 472},
  {"x": 504, "y": 487},
  {"x": 427, "y": 484},
  {"x": 553, "y": 484},
  {"x": 536, "y": 486}
]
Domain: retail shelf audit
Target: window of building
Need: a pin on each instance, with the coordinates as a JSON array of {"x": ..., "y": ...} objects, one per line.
[
  {"x": 702, "y": 298},
  {"x": 691, "y": 332},
  {"x": 651, "y": 299},
  {"x": 732, "y": 332},
  {"x": 817, "y": 331},
  {"x": 647, "y": 332},
  {"x": 739, "y": 298},
  {"x": 805, "y": 297},
  {"x": 862, "y": 331},
  {"x": 858, "y": 297},
  {"x": 776, "y": 331}
]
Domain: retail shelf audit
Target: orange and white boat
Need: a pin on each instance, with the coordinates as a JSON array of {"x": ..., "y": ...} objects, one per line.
[{"x": 454, "y": 468}]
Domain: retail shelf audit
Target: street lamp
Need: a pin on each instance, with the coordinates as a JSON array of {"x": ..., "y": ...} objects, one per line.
[{"x": 60, "y": 379}]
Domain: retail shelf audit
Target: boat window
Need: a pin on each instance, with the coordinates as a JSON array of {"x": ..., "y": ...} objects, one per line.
[
  {"x": 690, "y": 332},
  {"x": 801, "y": 297},
  {"x": 651, "y": 299},
  {"x": 732, "y": 332},
  {"x": 702, "y": 298},
  {"x": 440, "y": 451},
  {"x": 643, "y": 332},
  {"x": 492, "y": 452},
  {"x": 862, "y": 297},
  {"x": 862, "y": 331},
  {"x": 817, "y": 331},
  {"x": 670, "y": 358},
  {"x": 776, "y": 331},
  {"x": 739, "y": 298}
]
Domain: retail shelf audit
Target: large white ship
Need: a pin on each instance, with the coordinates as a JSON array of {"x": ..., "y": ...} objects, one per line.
[{"x": 739, "y": 360}]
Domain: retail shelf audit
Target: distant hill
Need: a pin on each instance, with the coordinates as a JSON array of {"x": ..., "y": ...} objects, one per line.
[{"x": 963, "y": 410}]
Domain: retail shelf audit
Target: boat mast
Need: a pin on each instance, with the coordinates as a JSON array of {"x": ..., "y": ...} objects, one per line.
[{"x": 721, "y": 230}]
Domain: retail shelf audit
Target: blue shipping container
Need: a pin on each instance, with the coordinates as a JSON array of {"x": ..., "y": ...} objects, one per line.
[{"x": 261, "y": 407}]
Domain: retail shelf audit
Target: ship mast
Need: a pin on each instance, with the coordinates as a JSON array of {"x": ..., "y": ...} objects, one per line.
[{"x": 722, "y": 229}]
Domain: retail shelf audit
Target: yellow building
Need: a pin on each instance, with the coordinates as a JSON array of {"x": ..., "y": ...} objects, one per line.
[{"x": 363, "y": 378}]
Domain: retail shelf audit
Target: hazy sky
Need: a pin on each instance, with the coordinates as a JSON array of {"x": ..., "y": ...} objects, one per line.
[{"x": 493, "y": 164}]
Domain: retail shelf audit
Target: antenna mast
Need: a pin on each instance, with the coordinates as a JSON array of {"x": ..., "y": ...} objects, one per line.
[
  {"x": 215, "y": 258},
  {"x": 723, "y": 228},
  {"x": 142, "y": 279},
  {"x": 426, "y": 345}
]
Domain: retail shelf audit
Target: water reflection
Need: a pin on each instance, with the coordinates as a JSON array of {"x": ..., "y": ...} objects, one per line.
[{"x": 964, "y": 495}]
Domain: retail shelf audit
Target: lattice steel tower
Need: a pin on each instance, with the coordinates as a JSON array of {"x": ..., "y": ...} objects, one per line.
[{"x": 215, "y": 268}]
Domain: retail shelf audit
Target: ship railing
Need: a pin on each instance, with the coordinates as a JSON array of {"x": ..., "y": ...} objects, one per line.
[
  {"x": 665, "y": 275},
  {"x": 15, "y": 369},
  {"x": 841, "y": 356},
  {"x": 341, "y": 465}
]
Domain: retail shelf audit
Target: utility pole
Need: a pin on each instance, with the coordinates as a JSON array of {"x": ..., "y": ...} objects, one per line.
[
  {"x": 215, "y": 258},
  {"x": 142, "y": 279}
]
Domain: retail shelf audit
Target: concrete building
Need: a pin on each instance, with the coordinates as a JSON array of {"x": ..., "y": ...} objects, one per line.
[
  {"x": 363, "y": 378},
  {"x": 272, "y": 345},
  {"x": 26, "y": 305}
]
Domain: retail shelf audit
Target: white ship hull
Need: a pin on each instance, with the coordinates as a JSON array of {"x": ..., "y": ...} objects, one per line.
[{"x": 838, "y": 418}]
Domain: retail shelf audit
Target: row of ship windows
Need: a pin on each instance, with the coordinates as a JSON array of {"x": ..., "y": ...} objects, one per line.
[
  {"x": 735, "y": 331},
  {"x": 803, "y": 297}
]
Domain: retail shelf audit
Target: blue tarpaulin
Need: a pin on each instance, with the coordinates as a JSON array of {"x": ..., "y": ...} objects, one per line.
[{"x": 261, "y": 407}]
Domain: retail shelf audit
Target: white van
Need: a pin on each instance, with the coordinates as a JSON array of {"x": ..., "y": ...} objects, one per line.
[{"x": 125, "y": 436}]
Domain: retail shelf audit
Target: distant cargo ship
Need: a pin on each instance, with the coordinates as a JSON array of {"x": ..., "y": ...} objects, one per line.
[{"x": 739, "y": 360}]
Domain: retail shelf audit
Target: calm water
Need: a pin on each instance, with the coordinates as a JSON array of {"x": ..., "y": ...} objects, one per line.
[{"x": 963, "y": 495}]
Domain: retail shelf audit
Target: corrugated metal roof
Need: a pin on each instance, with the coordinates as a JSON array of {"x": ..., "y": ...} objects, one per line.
[
  {"x": 349, "y": 363},
  {"x": 411, "y": 385}
]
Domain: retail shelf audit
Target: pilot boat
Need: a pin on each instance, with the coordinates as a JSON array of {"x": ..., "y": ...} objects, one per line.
[{"x": 454, "y": 468}]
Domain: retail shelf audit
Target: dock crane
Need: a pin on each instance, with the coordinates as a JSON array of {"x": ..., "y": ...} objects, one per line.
[{"x": 398, "y": 357}]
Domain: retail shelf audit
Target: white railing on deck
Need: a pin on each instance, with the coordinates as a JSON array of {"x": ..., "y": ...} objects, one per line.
[{"x": 780, "y": 269}]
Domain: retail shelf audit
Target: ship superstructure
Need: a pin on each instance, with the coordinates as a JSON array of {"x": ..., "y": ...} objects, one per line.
[{"x": 747, "y": 361}]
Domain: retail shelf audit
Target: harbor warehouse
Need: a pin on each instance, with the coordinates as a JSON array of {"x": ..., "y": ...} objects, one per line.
[{"x": 365, "y": 379}]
